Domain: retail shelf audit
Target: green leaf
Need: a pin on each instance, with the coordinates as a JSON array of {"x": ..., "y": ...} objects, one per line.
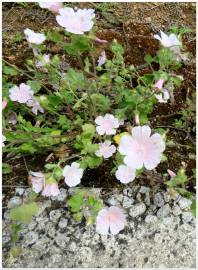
[
  {"x": 88, "y": 129},
  {"x": 6, "y": 168},
  {"x": 193, "y": 208},
  {"x": 101, "y": 102},
  {"x": 75, "y": 202},
  {"x": 148, "y": 58},
  {"x": 35, "y": 85},
  {"x": 54, "y": 36},
  {"x": 24, "y": 213},
  {"x": 10, "y": 71}
]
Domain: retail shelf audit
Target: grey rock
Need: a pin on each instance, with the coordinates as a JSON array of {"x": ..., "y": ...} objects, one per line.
[
  {"x": 164, "y": 211},
  {"x": 166, "y": 196},
  {"x": 137, "y": 210},
  {"x": 176, "y": 210},
  {"x": 14, "y": 202},
  {"x": 144, "y": 190},
  {"x": 55, "y": 215},
  {"x": 32, "y": 225},
  {"x": 151, "y": 219},
  {"x": 127, "y": 202},
  {"x": 113, "y": 201},
  {"x": 158, "y": 199},
  {"x": 184, "y": 203},
  {"x": 62, "y": 223},
  {"x": 50, "y": 229},
  {"x": 61, "y": 197},
  {"x": 42, "y": 206},
  {"x": 19, "y": 191},
  {"x": 62, "y": 240},
  {"x": 187, "y": 217},
  {"x": 30, "y": 238}
]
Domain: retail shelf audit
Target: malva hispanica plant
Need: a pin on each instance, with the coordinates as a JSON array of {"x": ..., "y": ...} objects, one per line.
[{"x": 97, "y": 111}]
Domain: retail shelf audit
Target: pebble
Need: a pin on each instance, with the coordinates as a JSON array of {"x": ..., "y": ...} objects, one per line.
[
  {"x": 14, "y": 202},
  {"x": 31, "y": 238},
  {"x": 176, "y": 210},
  {"x": 113, "y": 201},
  {"x": 144, "y": 189},
  {"x": 184, "y": 203},
  {"x": 167, "y": 197},
  {"x": 55, "y": 215},
  {"x": 158, "y": 199},
  {"x": 62, "y": 223},
  {"x": 127, "y": 202},
  {"x": 62, "y": 240},
  {"x": 151, "y": 219},
  {"x": 137, "y": 209},
  {"x": 187, "y": 216},
  {"x": 61, "y": 197},
  {"x": 164, "y": 211},
  {"x": 19, "y": 191}
]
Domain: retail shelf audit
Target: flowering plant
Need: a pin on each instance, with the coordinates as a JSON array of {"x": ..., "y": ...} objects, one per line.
[{"x": 95, "y": 112}]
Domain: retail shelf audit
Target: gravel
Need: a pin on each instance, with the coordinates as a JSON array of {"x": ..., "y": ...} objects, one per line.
[{"x": 158, "y": 234}]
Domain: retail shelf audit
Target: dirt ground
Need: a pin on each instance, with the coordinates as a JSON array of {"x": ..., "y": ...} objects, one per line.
[{"x": 132, "y": 24}]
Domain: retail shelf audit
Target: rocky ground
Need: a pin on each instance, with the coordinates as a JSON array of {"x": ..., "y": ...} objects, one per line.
[{"x": 160, "y": 232}]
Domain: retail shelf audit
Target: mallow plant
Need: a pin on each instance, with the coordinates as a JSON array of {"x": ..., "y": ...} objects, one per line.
[{"x": 99, "y": 110}]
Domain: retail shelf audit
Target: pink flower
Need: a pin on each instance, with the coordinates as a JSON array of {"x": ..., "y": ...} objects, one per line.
[
  {"x": 21, "y": 94},
  {"x": 163, "y": 97},
  {"x": 45, "y": 59},
  {"x": 159, "y": 84},
  {"x": 72, "y": 174},
  {"x": 34, "y": 38},
  {"x": 4, "y": 104},
  {"x": 37, "y": 179},
  {"x": 76, "y": 22},
  {"x": 51, "y": 190},
  {"x": 102, "y": 41},
  {"x": 106, "y": 150},
  {"x": 171, "y": 41},
  {"x": 52, "y": 6},
  {"x": 102, "y": 59},
  {"x": 142, "y": 149},
  {"x": 125, "y": 174},
  {"x": 35, "y": 106},
  {"x": 111, "y": 219},
  {"x": 107, "y": 124},
  {"x": 171, "y": 173}
]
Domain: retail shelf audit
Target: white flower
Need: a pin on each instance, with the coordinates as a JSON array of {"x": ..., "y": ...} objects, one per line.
[
  {"x": 102, "y": 59},
  {"x": 72, "y": 174},
  {"x": 35, "y": 106},
  {"x": 34, "y": 38},
  {"x": 142, "y": 149},
  {"x": 110, "y": 219},
  {"x": 163, "y": 97},
  {"x": 106, "y": 150},
  {"x": 76, "y": 22},
  {"x": 44, "y": 61},
  {"x": 107, "y": 124},
  {"x": 3, "y": 140},
  {"x": 125, "y": 174},
  {"x": 52, "y": 6},
  {"x": 37, "y": 179},
  {"x": 171, "y": 41},
  {"x": 21, "y": 94}
]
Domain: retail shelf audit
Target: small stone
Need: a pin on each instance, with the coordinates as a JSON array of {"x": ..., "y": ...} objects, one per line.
[
  {"x": 55, "y": 215},
  {"x": 187, "y": 216},
  {"x": 113, "y": 201},
  {"x": 19, "y": 191},
  {"x": 176, "y": 210},
  {"x": 167, "y": 197},
  {"x": 127, "y": 202},
  {"x": 137, "y": 209},
  {"x": 144, "y": 190},
  {"x": 14, "y": 202},
  {"x": 158, "y": 199},
  {"x": 164, "y": 211},
  {"x": 147, "y": 199},
  {"x": 42, "y": 206},
  {"x": 61, "y": 197},
  {"x": 50, "y": 229},
  {"x": 62, "y": 240},
  {"x": 62, "y": 223},
  {"x": 31, "y": 238},
  {"x": 158, "y": 238},
  {"x": 139, "y": 197},
  {"x": 32, "y": 225},
  {"x": 151, "y": 219},
  {"x": 72, "y": 246},
  {"x": 184, "y": 203}
]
